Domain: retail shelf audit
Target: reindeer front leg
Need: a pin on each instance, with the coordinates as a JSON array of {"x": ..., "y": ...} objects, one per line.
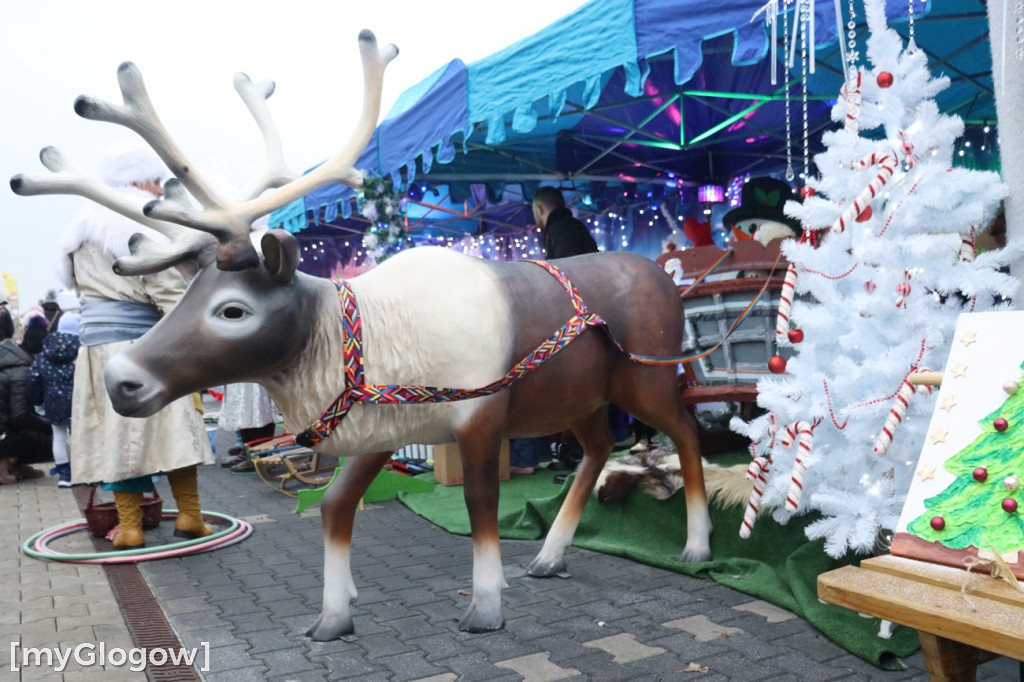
[
  {"x": 337, "y": 511},
  {"x": 479, "y": 450}
]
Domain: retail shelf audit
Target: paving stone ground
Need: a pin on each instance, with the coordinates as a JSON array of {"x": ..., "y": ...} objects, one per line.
[{"x": 613, "y": 619}]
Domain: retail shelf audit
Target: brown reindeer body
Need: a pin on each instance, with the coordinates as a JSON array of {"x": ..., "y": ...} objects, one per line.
[
  {"x": 430, "y": 317},
  {"x": 435, "y": 317}
]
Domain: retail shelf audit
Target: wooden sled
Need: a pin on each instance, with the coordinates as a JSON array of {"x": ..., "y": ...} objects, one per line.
[
  {"x": 282, "y": 464},
  {"x": 730, "y": 373}
]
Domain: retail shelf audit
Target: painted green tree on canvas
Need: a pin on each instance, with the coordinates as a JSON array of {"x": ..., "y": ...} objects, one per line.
[{"x": 984, "y": 506}]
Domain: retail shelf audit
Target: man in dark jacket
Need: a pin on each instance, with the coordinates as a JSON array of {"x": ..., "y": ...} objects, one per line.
[
  {"x": 26, "y": 434},
  {"x": 564, "y": 235}
]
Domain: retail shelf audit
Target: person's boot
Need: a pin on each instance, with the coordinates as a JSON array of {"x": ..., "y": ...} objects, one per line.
[
  {"x": 63, "y": 475},
  {"x": 6, "y": 477},
  {"x": 129, "y": 515},
  {"x": 185, "y": 488}
]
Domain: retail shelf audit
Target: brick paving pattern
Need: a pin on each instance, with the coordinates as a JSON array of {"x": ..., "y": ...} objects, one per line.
[{"x": 252, "y": 603}]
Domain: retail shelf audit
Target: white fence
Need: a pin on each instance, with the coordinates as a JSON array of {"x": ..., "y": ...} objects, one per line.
[{"x": 416, "y": 452}]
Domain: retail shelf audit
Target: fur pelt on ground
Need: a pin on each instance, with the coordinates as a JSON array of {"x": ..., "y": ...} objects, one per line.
[{"x": 657, "y": 473}]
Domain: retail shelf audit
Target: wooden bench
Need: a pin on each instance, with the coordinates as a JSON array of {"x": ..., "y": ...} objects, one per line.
[
  {"x": 963, "y": 618},
  {"x": 746, "y": 271}
]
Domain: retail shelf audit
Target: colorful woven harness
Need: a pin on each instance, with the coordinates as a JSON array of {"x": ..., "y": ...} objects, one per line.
[{"x": 357, "y": 391}]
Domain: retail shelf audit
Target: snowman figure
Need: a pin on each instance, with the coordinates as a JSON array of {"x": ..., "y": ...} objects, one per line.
[{"x": 760, "y": 213}]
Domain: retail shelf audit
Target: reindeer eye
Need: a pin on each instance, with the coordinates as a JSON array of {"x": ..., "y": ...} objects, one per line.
[{"x": 232, "y": 313}]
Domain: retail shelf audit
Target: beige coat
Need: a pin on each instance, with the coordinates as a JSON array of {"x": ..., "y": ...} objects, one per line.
[{"x": 104, "y": 445}]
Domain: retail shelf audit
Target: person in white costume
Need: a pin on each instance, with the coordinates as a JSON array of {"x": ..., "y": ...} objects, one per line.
[{"x": 124, "y": 453}]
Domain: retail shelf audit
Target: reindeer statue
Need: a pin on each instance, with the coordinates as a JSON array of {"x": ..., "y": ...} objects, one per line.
[{"x": 426, "y": 317}]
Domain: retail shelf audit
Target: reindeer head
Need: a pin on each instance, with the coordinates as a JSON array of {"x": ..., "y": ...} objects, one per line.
[
  {"x": 241, "y": 319},
  {"x": 231, "y": 325}
]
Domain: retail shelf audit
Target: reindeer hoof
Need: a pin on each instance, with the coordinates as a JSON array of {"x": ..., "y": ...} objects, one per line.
[
  {"x": 328, "y": 628},
  {"x": 694, "y": 556},
  {"x": 482, "y": 620},
  {"x": 546, "y": 568}
]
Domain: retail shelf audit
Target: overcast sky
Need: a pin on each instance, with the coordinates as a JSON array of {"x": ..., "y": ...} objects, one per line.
[{"x": 54, "y": 50}]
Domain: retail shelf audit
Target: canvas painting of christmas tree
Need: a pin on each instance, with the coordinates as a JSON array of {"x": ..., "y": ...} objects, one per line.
[{"x": 966, "y": 503}]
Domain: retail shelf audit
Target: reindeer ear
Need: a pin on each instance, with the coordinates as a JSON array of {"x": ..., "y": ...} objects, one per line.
[{"x": 280, "y": 254}]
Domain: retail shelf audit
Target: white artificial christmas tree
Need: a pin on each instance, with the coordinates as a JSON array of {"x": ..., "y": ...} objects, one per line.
[{"x": 885, "y": 266}]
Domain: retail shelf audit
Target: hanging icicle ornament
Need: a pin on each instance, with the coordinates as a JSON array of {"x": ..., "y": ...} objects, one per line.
[
  {"x": 771, "y": 22},
  {"x": 806, "y": 53},
  {"x": 806, "y": 440},
  {"x": 790, "y": 174},
  {"x": 911, "y": 43},
  {"x": 757, "y": 472},
  {"x": 852, "y": 56}
]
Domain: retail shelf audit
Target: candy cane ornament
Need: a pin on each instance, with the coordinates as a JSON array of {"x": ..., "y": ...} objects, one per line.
[
  {"x": 968, "y": 249},
  {"x": 786, "y": 302},
  {"x": 903, "y": 289},
  {"x": 757, "y": 471},
  {"x": 863, "y": 200},
  {"x": 806, "y": 441},
  {"x": 852, "y": 98},
  {"x": 896, "y": 414}
]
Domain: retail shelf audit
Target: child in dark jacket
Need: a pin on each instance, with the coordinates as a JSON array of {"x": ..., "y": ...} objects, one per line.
[{"x": 50, "y": 384}]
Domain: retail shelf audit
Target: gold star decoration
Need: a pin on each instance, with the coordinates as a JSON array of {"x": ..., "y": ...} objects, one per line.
[
  {"x": 926, "y": 473},
  {"x": 948, "y": 403},
  {"x": 969, "y": 338},
  {"x": 939, "y": 436},
  {"x": 960, "y": 370}
]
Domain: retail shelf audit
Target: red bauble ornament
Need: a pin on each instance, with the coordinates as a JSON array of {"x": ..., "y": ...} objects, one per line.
[
  {"x": 938, "y": 523},
  {"x": 884, "y": 79},
  {"x": 1000, "y": 424},
  {"x": 1009, "y": 505},
  {"x": 865, "y": 215},
  {"x": 807, "y": 192},
  {"x": 777, "y": 364},
  {"x": 796, "y": 335},
  {"x": 980, "y": 474}
]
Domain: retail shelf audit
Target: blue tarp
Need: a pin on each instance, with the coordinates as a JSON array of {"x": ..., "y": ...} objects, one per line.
[{"x": 609, "y": 53}]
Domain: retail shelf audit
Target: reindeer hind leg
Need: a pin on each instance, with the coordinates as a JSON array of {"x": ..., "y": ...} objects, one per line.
[
  {"x": 659, "y": 406},
  {"x": 596, "y": 439}
]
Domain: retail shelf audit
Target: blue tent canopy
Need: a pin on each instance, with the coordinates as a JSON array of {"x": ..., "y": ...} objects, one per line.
[{"x": 623, "y": 96}]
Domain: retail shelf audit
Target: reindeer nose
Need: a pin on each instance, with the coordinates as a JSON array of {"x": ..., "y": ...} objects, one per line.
[
  {"x": 133, "y": 391},
  {"x": 129, "y": 388}
]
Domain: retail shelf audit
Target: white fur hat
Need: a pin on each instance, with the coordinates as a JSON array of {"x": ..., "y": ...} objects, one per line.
[{"x": 129, "y": 162}]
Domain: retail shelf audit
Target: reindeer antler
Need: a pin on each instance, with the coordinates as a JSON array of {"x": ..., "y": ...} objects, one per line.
[
  {"x": 229, "y": 222},
  {"x": 274, "y": 172},
  {"x": 148, "y": 255}
]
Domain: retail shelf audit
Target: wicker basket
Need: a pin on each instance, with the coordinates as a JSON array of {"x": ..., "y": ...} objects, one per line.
[{"x": 101, "y": 518}]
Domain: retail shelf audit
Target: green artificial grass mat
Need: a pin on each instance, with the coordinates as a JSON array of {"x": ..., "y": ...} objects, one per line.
[{"x": 777, "y": 563}]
